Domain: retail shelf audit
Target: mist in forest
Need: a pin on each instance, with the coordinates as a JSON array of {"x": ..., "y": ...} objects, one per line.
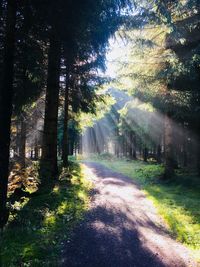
[{"x": 134, "y": 129}]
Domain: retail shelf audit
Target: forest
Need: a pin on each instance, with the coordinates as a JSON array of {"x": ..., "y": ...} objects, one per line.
[{"x": 100, "y": 133}]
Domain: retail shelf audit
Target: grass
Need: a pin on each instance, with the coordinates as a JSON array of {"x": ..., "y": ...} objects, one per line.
[
  {"x": 37, "y": 228},
  {"x": 177, "y": 201}
]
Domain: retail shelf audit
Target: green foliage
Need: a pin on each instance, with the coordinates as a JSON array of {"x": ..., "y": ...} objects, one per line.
[{"x": 35, "y": 233}]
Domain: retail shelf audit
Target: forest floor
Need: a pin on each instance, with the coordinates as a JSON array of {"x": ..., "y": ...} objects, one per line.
[
  {"x": 38, "y": 225},
  {"x": 121, "y": 228}
]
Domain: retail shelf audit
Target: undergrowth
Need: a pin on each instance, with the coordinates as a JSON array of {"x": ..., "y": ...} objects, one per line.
[{"x": 39, "y": 224}]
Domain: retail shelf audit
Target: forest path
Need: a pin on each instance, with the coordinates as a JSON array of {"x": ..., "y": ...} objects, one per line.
[{"x": 121, "y": 228}]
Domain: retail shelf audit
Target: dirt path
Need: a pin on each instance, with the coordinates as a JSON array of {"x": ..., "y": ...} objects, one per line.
[{"x": 121, "y": 229}]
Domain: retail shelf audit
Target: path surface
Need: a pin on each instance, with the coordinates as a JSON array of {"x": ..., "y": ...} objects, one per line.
[{"x": 121, "y": 229}]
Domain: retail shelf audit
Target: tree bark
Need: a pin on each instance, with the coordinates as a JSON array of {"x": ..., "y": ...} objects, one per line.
[
  {"x": 32, "y": 153},
  {"x": 65, "y": 148},
  {"x": 145, "y": 154},
  {"x": 49, "y": 165},
  {"x": 169, "y": 151},
  {"x": 158, "y": 154},
  {"x": 185, "y": 147},
  {"x": 36, "y": 149},
  {"x": 22, "y": 143},
  {"x": 1, "y": 9},
  {"x": 133, "y": 145},
  {"x": 6, "y": 95},
  {"x": 198, "y": 150}
]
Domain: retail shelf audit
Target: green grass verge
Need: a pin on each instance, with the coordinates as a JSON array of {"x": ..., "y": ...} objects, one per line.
[
  {"x": 178, "y": 200},
  {"x": 35, "y": 233}
]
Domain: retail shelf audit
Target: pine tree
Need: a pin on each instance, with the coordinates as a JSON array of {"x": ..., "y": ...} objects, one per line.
[{"x": 6, "y": 96}]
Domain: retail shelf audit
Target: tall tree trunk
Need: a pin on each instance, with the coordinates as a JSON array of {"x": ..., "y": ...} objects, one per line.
[
  {"x": 133, "y": 145},
  {"x": 36, "y": 149},
  {"x": 22, "y": 142},
  {"x": 185, "y": 147},
  {"x": 145, "y": 154},
  {"x": 117, "y": 146},
  {"x": 32, "y": 153},
  {"x": 17, "y": 139},
  {"x": 6, "y": 95},
  {"x": 158, "y": 154},
  {"x": 169, "y": 152},
  {"x": 198, "y": 158},
  {"x": 71, "y": 147},
  {"x": 1, "y": 9},
  {"x": 81, "y": 144},
  {"x": 198, "y": 149},
  {"x": 65, "y": 148},
  {"x": 49, "y": 167},
  {"x": 130, "y": 151}
]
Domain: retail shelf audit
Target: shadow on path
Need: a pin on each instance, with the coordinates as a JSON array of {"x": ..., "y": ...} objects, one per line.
[{"x": 121, "y": 229}]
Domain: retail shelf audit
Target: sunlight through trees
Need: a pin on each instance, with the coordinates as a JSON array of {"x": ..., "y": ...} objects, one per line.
[{"x": 59, "y": 104}]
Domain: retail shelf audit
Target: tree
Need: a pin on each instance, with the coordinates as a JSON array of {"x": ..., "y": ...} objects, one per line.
[
  {"x": 49, "y": 147},
  {"x": 89, "y": 39},
  {"x": 6, "y": 96}
]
